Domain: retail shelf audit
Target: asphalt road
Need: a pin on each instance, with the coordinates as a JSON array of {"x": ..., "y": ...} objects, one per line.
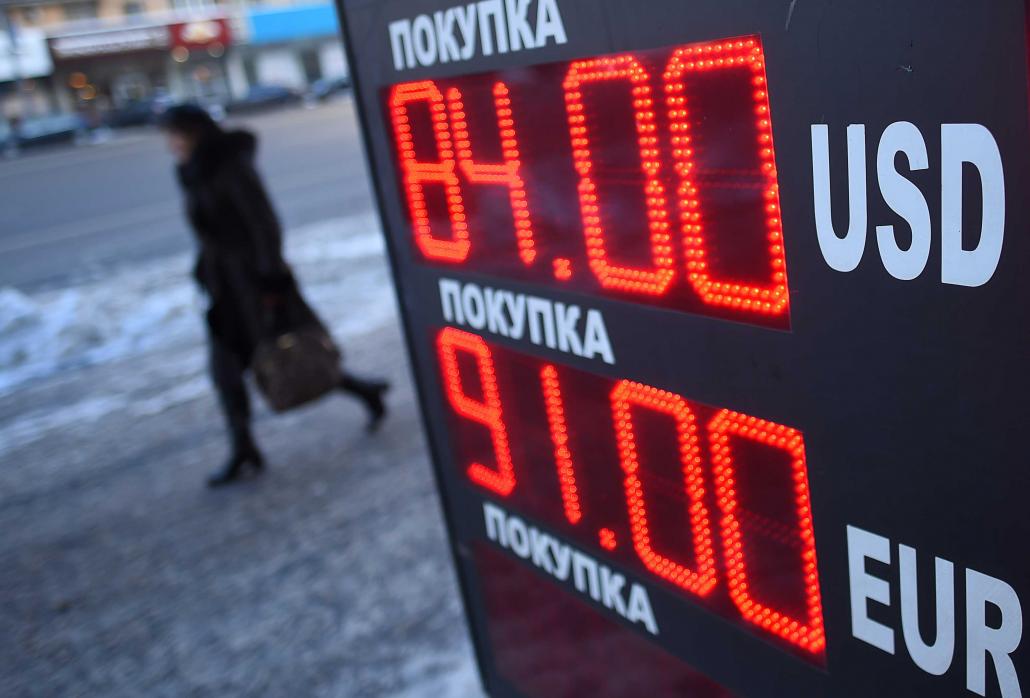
[{"x": 81, "y": 211}]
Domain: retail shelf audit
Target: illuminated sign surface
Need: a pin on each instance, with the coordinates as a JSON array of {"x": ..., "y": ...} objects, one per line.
[
  {"x": 718, "y": 327},
  {"x": 656, "y": 156}
]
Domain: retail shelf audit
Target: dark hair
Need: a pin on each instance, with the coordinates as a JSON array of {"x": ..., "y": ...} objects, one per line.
[{"x": 190, "y": 120}]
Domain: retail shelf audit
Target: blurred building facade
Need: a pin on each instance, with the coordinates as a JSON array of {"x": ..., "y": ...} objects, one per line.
[
  {"x": 99, "y": 56},
  {"x": 291, "y": 45}
]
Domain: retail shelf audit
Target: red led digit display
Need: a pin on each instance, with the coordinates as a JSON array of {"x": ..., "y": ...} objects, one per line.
[
  {"x": 501, "y": 477},
  {"x": 507, "y": 173},
  {"x": 626, "y": 395},
  {"x": 655, "y": 279},
  {"x": 723, "y": 429},
  {"x": 419, "y": 174},
  {"x": 711, "y": 503},
  {"x": 560, "y": 438},
  {"x": 647, "y": 176}
]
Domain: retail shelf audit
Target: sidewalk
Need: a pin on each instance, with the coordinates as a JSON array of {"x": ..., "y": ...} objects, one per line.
[{"x": 121, "y": 575}]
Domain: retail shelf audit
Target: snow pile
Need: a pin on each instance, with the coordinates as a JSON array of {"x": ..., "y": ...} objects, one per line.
[
  {"x": 129, "y": 312},
  {"x": 156, "y": 305}
]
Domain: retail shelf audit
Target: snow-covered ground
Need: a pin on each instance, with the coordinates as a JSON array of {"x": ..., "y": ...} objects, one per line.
[
  {"x": 156, "y": 309},
  {"x": 121, "y": 575},
  {"x": 155, "y": 305}
]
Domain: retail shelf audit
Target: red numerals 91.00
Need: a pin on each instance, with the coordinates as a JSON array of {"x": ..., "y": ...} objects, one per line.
[
  {"x": 677, "y": 461},
  {"x": 666, "y": 219}
]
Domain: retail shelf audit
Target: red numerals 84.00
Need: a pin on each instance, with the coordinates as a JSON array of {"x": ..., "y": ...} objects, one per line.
[
  {"x": 670, "y": 462},
  {"x": 668, "y": 154}
]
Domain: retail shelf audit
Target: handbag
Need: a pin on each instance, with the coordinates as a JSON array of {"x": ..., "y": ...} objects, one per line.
[{"x": 296, "y": 367}]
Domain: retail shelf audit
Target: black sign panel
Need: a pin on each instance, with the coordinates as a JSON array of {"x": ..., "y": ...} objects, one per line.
[{"x": 718, "y": 313}]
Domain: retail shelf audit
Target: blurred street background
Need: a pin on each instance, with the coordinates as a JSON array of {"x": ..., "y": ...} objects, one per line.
[
  {"x": 74, "y": 70},
  {"x": 120, "y": 573}
]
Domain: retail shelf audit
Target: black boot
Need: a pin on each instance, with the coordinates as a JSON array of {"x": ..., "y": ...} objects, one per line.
[
  {"x": 371, "y": 393},
  {"x": 246, "y": 460},
  {"x": 227, "y": 370}
]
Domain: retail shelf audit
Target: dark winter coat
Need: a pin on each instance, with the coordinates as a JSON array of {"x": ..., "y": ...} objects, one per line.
[{"x": 240, "y": 263}]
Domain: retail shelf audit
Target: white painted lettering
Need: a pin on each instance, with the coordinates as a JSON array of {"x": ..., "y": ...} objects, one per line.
[
  {"x": 973, "y": 144},
  {"x": 996, "y": 638},
  {"x": 936, "y": 658},
  {"x": 494, "y": 9},
  {"x": 596, "y": 342},
  {"x": 998, "y": 642},
  {"x": 612, "y": 584},
  {"x": 451, "y": 34},
  {"x": 584, "y": 575},
  {"x": 400, "y": 42},
  {"x": 450, "y": 300},
  {"x": 540, "y": 543},
  {"x": 518, "y": 536},
  {"x": 474, "y": 306},
  {"x": 566, "y": 318},
  {"x": 445, "y": 41},
  {"x": 863, "y": 545},
  {"x": 466, "y": 17},
  {"x": 551, "y": 324},
  {"x": 541, "y": 315},
  {"x": 495, "y": 527},
  {"x": 425, "y": 40},
  {"x": 496, "y": 322},
  {"x": 840, "y": 253},
  {"x": 549, "y": 24},
  {"x": 905, "y": 199},
  {"x": 519, "y": 32},
  {"x": 563, "y": 561},
  {"x": 640, "y": 609},
  {"x": 517, "y": 311}
]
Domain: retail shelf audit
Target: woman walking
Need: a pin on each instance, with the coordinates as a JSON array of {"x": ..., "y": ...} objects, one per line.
[{"x": 241, "y": 269}]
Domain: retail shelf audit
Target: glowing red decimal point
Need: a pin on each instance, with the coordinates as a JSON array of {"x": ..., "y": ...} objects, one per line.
[
  {"x": 442, "y": 172},
  {"x": 563, "y": 269},
  {"x": 606, "y": 536},
  {"x": 807, "y": 633},
  {"x": 656, "y": 280},
  {"x": 488, "y": 413},
  {"x": 627, "y": 394},
  {"x": 768, "y": 299}
]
